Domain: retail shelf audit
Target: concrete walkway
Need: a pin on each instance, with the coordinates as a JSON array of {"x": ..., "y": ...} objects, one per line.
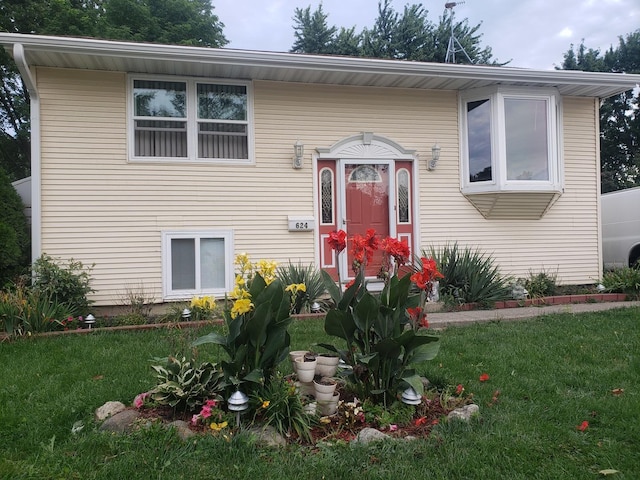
[{"x": 445, "y": 319}]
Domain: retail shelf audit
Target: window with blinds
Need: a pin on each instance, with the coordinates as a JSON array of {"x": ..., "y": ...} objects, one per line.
[{"x": 190, "y": 120}]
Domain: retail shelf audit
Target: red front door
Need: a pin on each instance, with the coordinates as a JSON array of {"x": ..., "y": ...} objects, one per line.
[{"x": 366, "y": 206}]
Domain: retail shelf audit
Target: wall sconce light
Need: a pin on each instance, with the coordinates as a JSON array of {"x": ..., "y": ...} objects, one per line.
[
  {"x": 298, "y": 153},
  {"x": 435, "y": 156}
]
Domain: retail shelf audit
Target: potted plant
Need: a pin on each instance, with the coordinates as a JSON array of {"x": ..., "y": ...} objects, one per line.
[
  {"x": 306, "y": 368},
  {"x": 324, "y": 386},
  {"x": 327, "y": 364}
]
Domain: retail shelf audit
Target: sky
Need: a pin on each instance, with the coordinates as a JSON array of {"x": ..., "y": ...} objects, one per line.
[{"x": 531, "y": 33}]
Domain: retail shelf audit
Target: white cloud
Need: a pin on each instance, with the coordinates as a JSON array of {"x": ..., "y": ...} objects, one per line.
[{"x": 566, "y": 32}]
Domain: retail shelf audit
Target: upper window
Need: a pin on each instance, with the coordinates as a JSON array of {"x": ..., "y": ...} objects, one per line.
[
  {"x": 197, "y": 263},
  {"x": 190, "y": 120},
  {"x": 510, "y": 140}
]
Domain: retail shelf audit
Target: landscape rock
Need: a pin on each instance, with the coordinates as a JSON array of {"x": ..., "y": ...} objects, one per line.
[
  {"x": 109, "y": 409},
  {"x": 368, "y": 435},
  {"x": 122, "y": 422},
  {"x": 182, "y": 429},
  {"x": 464, "y": 413},
  {"x": 268, "y": 436}
]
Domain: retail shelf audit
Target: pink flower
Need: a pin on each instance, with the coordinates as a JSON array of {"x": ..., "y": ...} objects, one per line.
[
  {"x": 195, "y": 419},
  {"x": 459, "y": 389},
  {"x": 205, "y": 412},
  {"x": 393, "y": 427},
  {"x": 138, "y": 402},
  {"x": 484, "y": 377},
  {"x": 583, "y": 426}
]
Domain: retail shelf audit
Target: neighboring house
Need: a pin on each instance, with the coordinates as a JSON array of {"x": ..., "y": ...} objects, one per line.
[
  {"x": 159, "y": 163},
  {"x": 23, "y": 188},
  {"x": 621, "y": 228}
]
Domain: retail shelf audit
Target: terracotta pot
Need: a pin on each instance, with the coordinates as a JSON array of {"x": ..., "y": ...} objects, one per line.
[
  {"x": 327, "y": 365},
  {"x": 305, "y": 370}
]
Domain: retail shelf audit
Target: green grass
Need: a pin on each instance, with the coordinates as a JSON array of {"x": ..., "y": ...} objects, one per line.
[{"x": 552, "y": 374}]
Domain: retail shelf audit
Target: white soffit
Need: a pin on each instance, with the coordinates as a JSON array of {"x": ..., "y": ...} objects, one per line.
[{"x": 92, "y": 54}]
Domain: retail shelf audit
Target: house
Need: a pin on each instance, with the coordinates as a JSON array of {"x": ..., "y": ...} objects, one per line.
[{"x": 159, "y": 163}]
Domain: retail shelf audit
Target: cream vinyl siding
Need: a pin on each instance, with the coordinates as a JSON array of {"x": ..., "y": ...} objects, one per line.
[
  {"x": 100, "y": 209},
  {"x": 563, "y": 241}
]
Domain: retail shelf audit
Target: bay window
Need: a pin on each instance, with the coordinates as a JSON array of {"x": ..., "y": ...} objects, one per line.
[
  {"x": 510, "y": 140},
  {"x": 511, "y": 153}
]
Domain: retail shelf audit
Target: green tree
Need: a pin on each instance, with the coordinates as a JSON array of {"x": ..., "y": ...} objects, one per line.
[
  {"x": 14, "y": 234},
  {"x": 406, "y": 35},
  {"x": 312, "y": 33},
  {"x": 619, "y": 118},
  {"x": 184, "y": 22}
]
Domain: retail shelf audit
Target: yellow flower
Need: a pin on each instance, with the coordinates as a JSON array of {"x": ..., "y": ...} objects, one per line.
[
  {"x": 240, "y": 281},
  {"x": 206, "y": 303},
  {"x": 243, "y": 262},
  {"x": 267, "y": 270},
  {"x": 216, "y": 427},
  {"x": 241, "y": 306},
  {"x": 265, "y": 403},
  {"x": 239, "y": 293},
  {"x": 294, "y": 288}
]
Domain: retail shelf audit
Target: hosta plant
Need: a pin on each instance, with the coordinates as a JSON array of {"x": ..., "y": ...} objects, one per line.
[{"x": 183, "y": 385}]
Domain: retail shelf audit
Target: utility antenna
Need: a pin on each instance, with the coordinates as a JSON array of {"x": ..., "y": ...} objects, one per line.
[{"x": 454, "y": 44}]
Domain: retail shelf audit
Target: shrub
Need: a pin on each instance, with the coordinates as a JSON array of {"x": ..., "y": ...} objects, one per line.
[
  {"x": 469, "y": 276},
  {"x": 310, "y": 277},
  {"x": 623, "y": 280},
  {"x": 183, "y": 386},
  {"x": 542, "y": 284},
  {"x": 67, "y": 284},
  {"x": 14, "y": 232},
  {"x": 24, "y": 310}
]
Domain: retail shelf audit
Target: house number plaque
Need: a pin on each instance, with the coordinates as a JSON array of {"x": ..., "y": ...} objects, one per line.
[{"x": 301, "y": 224}]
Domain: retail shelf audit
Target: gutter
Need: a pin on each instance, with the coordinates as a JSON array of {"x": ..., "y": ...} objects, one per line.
[
  {"x": 270, "y": 65},
  {"x": 36, "y": 197}
]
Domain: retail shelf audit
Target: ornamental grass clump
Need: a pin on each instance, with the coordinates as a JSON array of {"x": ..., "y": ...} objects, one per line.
[
  {"x": 308, "y": 276},
  {"x": 469, "y": 276},
  {"x": 385, "y": 334}
]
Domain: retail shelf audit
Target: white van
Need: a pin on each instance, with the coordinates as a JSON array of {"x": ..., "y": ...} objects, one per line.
[{"x": 621, "y": 227}]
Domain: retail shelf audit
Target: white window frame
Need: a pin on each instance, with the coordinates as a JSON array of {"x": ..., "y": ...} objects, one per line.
[
  {"x": 167, "y": 236},
  {"x": 499, "y": 181},
  {"x": 192, "y": 121}
]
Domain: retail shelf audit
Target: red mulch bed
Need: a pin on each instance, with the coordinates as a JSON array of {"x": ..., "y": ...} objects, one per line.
[{"x": 329, "y": 429}]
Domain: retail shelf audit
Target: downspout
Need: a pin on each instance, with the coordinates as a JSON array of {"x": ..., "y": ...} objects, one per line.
[{"x": 36, "y": 197}]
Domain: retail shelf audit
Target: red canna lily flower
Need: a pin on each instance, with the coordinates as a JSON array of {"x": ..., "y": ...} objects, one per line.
[
  {"x": 583, "y": 426},
  {"x": 338, "y": 240},
  {"x": 429, "y": 273},
  {"x": 418, "y": 317},
  {"x": 484, "y": 377},
  {"x": 421, "y": 421},
  {"x": 397, "y": 249}
]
